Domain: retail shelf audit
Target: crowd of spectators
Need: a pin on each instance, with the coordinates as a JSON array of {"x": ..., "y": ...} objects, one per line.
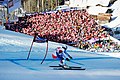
[{"x": 73, "y": 27}]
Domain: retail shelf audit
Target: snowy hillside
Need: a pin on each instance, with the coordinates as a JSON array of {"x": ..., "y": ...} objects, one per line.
[{"x": 14, "y": 49}]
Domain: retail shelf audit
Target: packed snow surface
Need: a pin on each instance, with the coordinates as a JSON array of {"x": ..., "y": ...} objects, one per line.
[{"x": 14, "y": 48}]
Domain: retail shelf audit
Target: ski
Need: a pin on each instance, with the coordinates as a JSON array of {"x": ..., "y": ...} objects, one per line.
[
  {"x": 65, "y": 67},
  {"x": 60, "y": 67},
  {"x": 69, "y": 66},
  {"x": 73, "y": 68}
]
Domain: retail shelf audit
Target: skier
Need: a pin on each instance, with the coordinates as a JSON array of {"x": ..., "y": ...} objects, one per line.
[{"x": 62, "y": 55}]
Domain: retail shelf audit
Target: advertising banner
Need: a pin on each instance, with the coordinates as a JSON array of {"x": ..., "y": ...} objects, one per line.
[{"x": 13, "y": 4}]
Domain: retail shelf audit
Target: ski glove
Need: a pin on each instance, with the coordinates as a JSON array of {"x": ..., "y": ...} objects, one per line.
[
  {"x": 67, "y": 59},
  {"x": 65, "y": 48}
]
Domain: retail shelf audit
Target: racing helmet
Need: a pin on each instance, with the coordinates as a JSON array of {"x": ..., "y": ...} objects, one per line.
[{"x": 59, "y": 50}]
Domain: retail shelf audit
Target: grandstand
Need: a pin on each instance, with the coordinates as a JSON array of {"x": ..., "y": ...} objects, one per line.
[{"x": 75, "y": 27}]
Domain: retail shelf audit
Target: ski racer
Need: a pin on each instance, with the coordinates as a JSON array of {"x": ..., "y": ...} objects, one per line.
[{"x": 62, "y": 55}]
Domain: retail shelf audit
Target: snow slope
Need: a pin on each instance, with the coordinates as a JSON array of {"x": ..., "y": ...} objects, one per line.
[{"x": 14, "y": 49}]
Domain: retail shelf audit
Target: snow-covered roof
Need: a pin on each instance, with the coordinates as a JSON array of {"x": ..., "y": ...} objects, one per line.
[
  {"x": 83, "y": 3},
  {"x": 113, "y": 23},
  {"x": 61, "y": 7},
  {"x": 116, "y": 13},
  {"x": 95, "y": 2},
  {"x": 116, "y": 5},
  {"x": 95, "y": 10}
]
